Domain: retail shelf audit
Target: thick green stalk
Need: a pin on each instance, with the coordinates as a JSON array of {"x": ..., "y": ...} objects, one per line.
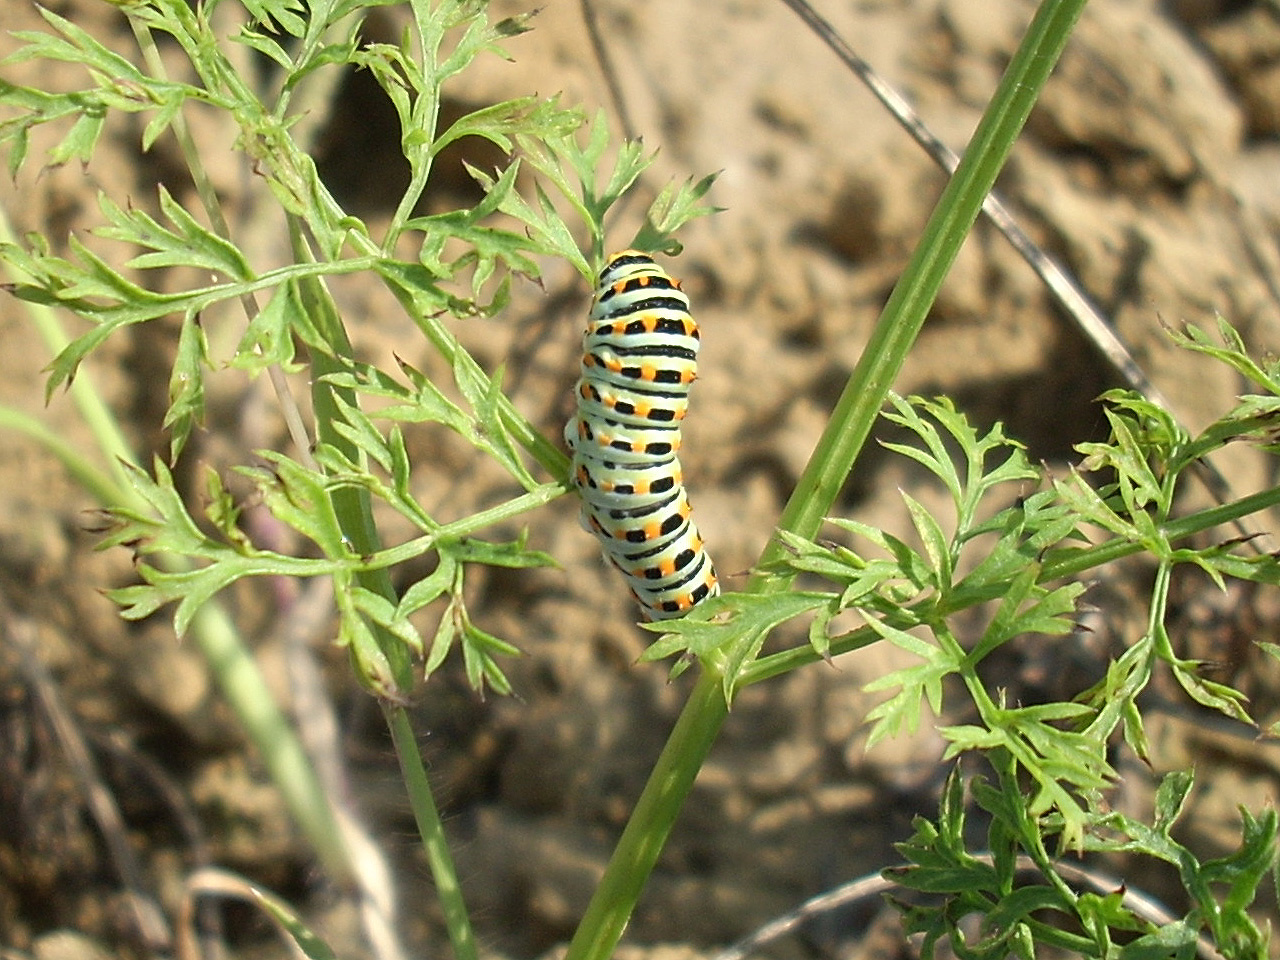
[
  {"x": 916, "y": 290},
  {"x": 856, "y": 411},
  {"x": 651, "y": 822}
]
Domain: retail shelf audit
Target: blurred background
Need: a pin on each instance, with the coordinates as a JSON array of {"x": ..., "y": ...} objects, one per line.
[{"x": 1150, "y": 170}]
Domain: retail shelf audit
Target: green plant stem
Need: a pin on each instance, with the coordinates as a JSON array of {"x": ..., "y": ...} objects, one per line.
[
  {"x": 904, "y": 313},
  {"x": 651, "y": 822},
  {"x": 431, "y": 830},
  {"x": 856, "y": 411},
  {"x": 540, "y": 496}
]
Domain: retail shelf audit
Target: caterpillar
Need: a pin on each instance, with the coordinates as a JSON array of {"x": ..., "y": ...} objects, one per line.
[{"x": 639, "y": 356}]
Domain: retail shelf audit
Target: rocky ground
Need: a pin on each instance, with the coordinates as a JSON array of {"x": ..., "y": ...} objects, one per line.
[{"x": 1149, "y": 169}]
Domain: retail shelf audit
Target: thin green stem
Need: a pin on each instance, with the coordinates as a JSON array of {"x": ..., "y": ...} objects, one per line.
[
  {"x": 182, "y": 133},
  {"x": 95, "y": 413},
  {"x": 94, "y": 481},
  {"x": 1058, "y": 565},
  {"x": 243, "y": 684},
  {"x": 431, "y": 830},
  {"x": 540, "y": 496},
  {"x": 388, "y": 670}
]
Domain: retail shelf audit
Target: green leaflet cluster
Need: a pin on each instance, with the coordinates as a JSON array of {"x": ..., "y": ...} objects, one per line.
[{"x": 463, "y": 269}]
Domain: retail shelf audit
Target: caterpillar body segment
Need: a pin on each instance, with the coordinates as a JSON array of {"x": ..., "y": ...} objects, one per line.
[{"x": 639, "y": 357}]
